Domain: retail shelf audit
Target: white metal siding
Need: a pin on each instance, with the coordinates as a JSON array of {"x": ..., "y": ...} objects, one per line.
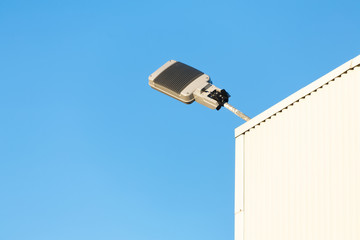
[
  {"x": 302, "y": 168},
  {"x": 239, "y": 187}
]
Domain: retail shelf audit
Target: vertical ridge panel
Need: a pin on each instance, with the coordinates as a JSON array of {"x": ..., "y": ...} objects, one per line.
[{"x": 302, "y": 167}]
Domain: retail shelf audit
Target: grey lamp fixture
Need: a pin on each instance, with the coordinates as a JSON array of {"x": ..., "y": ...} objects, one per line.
[{"x": 188, "y": 84}]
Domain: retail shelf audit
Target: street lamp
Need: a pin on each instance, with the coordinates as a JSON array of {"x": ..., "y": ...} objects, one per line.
[{"x": 188, "y": 84}]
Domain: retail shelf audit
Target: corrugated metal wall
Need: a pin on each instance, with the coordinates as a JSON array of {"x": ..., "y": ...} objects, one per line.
[{"x": 302, "y": 168}]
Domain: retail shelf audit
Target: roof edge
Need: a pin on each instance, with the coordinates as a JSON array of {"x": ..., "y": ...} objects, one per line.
[{"x": 297, "y": 95}]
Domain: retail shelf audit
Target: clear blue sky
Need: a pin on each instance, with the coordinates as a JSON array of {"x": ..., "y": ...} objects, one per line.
[{"x": 89, "y": 151}]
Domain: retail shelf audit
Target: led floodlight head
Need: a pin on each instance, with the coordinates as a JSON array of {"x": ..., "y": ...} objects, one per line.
[{"x": 188, "y": 84}]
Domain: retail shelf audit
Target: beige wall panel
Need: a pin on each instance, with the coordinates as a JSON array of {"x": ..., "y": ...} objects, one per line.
[
  {"x": 302, "y": 168},
  {"x": 239, "y": 189}
]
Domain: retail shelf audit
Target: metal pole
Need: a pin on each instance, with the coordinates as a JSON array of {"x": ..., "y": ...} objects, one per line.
[{"x": 237, "y": 112}]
